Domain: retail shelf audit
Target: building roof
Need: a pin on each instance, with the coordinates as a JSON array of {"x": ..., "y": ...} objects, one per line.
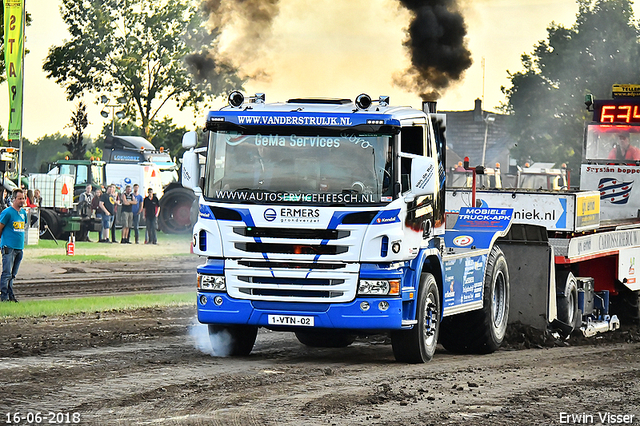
[{"x": 466, "y": 131}]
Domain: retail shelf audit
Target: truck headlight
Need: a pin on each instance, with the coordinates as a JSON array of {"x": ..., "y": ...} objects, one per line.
[
  {"x": 379, "y": 288},
  {"x": 211, "y": 283}
]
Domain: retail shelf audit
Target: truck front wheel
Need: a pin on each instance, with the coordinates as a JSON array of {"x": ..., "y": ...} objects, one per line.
[
  {"x": 232, "y": 340},
  {"x": 175, "y": 211},
  {"x": 419, "y": 344},
  {"x": 482, "y": 331}
]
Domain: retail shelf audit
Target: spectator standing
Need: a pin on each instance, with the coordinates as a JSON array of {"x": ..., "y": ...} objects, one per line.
[
  {"x": 7, "y": 198},
  {"x": 107, "y": 206},
  {"x": 150, "y": 210},
  {"x": 136, "y": 209},
  {"x": 84, "y": 208},
  {"x": 126, "y": 198},
  {"x": 13, "y": 222},
  {"x": 29, "y": 201},
  {"x": 37, "y": 198},
  {"x": 116, "y": 198},
  {"x": 95, "y": 208},
  {"x": 3, "y": 202}
]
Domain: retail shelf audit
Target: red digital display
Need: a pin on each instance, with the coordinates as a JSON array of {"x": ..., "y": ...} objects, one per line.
[
  {"x": 620, "y": 114},
  {"x": 617, "y": 111}
]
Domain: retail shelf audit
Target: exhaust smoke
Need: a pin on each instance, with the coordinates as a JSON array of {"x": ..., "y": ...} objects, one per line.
[
  {"x": 217, "y": 344},
  {"x": 250, "y": 23},
  {"x": 434, "y": 40},
  {"x": 437, "y": 47}
]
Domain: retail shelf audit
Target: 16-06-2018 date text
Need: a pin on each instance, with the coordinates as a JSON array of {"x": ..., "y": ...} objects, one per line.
[{"x": 37, "y": 417}]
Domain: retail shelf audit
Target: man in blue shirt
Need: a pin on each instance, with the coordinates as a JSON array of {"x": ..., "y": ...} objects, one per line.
[
  {"x": 136, "y": 208},
  {"x": 13, "y": 222}
]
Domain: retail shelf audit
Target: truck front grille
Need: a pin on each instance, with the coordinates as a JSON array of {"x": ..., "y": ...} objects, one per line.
[
  {"x": 312, "y": 249},
  {"x": 291, "y": 281},
  {"x": 296, "y": 233},
  {"x": 290, "y": 265}
]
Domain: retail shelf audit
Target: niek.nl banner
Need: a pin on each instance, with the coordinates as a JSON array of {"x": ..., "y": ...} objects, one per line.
[{"x": 13, "y": 59}]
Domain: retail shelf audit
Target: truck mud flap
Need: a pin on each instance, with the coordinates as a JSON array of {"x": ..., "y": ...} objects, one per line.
[{"x": 531, "y": 272}]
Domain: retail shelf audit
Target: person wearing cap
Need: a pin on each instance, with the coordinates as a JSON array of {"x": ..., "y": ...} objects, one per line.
[{"x": 623, "y": 150}]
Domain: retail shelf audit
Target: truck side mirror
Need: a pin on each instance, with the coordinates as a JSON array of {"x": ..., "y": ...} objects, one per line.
[
  {"x": 190, "y": 170},
  {"x": 190, "y": 140},
  {"x": 424, "y": 176}
]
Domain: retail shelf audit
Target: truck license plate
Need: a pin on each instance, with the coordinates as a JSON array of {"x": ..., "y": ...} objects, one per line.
[{"x": 290, "y": 320}]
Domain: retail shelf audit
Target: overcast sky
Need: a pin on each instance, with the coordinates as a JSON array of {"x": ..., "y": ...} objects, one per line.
[{"x": 328, "y": 48}]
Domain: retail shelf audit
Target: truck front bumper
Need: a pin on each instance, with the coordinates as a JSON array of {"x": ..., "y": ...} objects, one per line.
[{"x": 326, "y": 315}]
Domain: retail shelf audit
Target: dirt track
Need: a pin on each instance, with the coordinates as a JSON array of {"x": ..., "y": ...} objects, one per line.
[{"x": 150, "y": 366}]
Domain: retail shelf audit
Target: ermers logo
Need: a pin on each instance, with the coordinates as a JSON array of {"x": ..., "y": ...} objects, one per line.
[
  {"x": 299, "y": 215},
  {"x": 463, "y": 240},
  {"x": 285, "y": 212},
  {"x": 270, "y": 215}
]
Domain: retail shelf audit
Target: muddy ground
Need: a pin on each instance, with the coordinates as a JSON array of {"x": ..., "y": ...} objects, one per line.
[{"x": 152, "y": 366}]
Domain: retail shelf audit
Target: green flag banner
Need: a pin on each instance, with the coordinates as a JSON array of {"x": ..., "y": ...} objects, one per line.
[{"x": 13, "y": 59}]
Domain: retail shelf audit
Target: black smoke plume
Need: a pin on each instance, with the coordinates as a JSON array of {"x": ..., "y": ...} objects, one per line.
[{"x": 436, "y": 43}]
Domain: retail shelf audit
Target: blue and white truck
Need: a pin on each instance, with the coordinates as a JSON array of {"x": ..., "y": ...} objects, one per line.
[{"x": 326, "y": 217}]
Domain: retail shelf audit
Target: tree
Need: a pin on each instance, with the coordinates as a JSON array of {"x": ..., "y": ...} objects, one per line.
[
  {"x": 79, "y": 122},
  {"x": 546, "y": 99},
  {"x": 148, "y": 51},
  {"x": 37, "y": 155}
]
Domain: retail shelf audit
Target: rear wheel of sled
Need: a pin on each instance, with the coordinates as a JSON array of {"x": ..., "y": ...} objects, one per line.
[
  {"x": 482, "y": 331},
  {"x": 49, "y": 225},
  {"x": 567, "y": 301},
  {"x": 232, "y": 340},
  {"x": 419, "y": 344},
  {"x": 325, "y": 338}
]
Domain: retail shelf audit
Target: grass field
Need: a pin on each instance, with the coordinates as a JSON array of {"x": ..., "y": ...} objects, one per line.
[
  {"x": 56, "y": 307},
  {"x": 169, "y": 245}
]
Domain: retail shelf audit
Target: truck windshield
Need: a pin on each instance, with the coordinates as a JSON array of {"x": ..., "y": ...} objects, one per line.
[
  {"x": 612, "y": 143},
  {"x": 288, "y": 168}
]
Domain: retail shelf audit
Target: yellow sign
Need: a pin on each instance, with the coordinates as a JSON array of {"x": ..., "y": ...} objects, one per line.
[
  {"x": 618, "y": 90},
  {"x": 13, "y": 59},
  {"x": 587, "y": 210}
]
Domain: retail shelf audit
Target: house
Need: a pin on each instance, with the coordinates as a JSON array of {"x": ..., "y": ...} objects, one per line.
[{"x": 466, "y": 137}]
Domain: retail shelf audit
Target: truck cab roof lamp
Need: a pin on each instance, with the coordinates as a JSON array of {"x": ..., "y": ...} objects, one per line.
[
  {"x": 364, "y": 101},
  {"x": 236, "y": 98}
]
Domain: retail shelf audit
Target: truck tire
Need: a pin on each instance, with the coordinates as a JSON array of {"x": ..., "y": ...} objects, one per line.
[
  {"x": 626, "y": 305},
  {"x": 232, "y": 340},
  {"x": 482, "y": 331},
  {"x": 175, "y": 211},
  {"x": 325, "y": 338},
  {"x": 567, "y": 300},
  {"x": 49, "y": 225},
  {"x": 419, "y": 344}
]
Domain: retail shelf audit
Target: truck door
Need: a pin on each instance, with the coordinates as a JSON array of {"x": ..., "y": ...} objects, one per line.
[{"x": 424, "y": 213}]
